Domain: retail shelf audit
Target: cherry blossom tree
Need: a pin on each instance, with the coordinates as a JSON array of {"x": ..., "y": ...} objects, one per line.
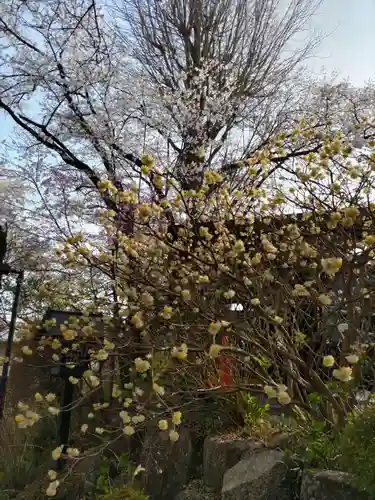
[
  {"x": 216, "y": 73},
  {"x": 70, "y": 81},
  {"x": 62, "y": 83},
  {"x": 80, "y": 92},
  {"x": 84, "y": 89}
]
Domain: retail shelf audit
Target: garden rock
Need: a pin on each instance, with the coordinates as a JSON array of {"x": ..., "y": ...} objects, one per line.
[
  {"x": 167, "y": 465},
  {"x": 196, "y": 490},
  {"x": 260, "y": 475},
  {"x": 279, "y": 440},
  {"x": 329, "y": 485},
  {"x": 220, "y": 453}
]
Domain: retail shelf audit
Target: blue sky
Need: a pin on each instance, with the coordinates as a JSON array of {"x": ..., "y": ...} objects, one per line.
[{"x": 349, "y": 47}]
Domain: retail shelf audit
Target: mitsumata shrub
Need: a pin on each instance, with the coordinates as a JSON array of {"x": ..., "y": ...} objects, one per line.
[{"x": 214, "y": 292}]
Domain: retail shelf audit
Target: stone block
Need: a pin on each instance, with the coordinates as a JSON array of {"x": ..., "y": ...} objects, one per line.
[
  {"x": 260, "y": 475},
  {"x": 329, "y": 485},
  {"x": 167, "y": 465},
  {"x": 220, "y": 453}
]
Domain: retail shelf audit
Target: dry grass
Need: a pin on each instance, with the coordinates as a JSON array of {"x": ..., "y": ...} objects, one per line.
[{"x": 24, "y": 455}]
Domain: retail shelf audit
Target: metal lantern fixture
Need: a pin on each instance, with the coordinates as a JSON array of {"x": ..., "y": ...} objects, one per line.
[{"x": 53, "y": 320}]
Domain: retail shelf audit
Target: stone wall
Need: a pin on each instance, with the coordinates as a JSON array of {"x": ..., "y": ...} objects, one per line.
[{"x": 237, "y": 468}]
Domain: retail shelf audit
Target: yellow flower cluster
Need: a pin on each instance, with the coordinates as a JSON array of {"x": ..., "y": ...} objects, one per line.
[
  {"x": 129, "y": 430},
  {"x": 51, "y": 491},
  {"x": 27, "y": 351},
  {"x": 137, "y": 321},
  {"x": 344, "y": 374},
  {"x": 163, "y": 425},
  {"x": 215, "y": 350},
  {"x": 56, "y": 453},
  {"x": 167, "y": 312},
  {"x": 301, "y": 291},
  {"x": 325, "y": 299},
  {"x": 158, "y": 389},
  {"x": 180, "y": 352},
  {"x": 186, "y": 295},
  {"x": 73, "y": 452},
  {"x": 116, "y": 391},
  {"x": 229, "y": 294},
  {"x": 27, "y": 420},
  {"x": 176, "y": 421},
  {"x": 141, "y": 365},
  {"x": 328, "y": 361},
  {"x": 214, "y": 328},
  {"x": 331, "y": 265},
  {"x": 176, "y": 418},
  {"x": 107, "y": 186},
  {"x": 38, "y": 397},
  {"x": 280, "y": 392},
  {"x": 212, "y": 177},
  {"x": 183, "y": 277},
  {"x": 147, "y": 160}
]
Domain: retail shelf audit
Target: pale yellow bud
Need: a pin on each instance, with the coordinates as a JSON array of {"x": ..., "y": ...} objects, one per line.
[
  {"x": 141, "y": 365},
  {"x": 331, "y": 265},
  {"x": 163, "y": 425},
  {"x": 174, "y": 436},
  {"x": 53, "y": 410},
  {"x": 215, "y": 350},
  {"x": 52, "y": 475},
  {"x": 72, "y": 452},
  {"x": 38, "y": 397},
  {"x": 56, "y": 453},
  {"x": 283, "y": 398},
  {"x": 176, "y": 418},
  {"x": 158, "y": 389},
  {"x": 180, "y": 352},
  {"x": 352, "y": 359},
  {"x": 344, "y": 373},
  {"x": 214, "y": 328},
  {"x": 129, "y": 430},
  {"x": 270, "y": 391},
  {"x": 51, "y": 491},
  {"x": 324, "y": 299},
  {"x": 186, "y": 295},
  {"x": 328, "y": 361}
]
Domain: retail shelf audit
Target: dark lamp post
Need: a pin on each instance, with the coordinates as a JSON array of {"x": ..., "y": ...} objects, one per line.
[{"x": 5, "y": 269}]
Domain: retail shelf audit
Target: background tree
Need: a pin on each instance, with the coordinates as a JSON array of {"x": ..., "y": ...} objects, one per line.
[
  {"x": 81, "y": 90},
  {"x": 227, "y": 61},
  {"x": 219, "y": 76},
  {"x": 84, "y": 89},
  {"x": 40, "y": 216}
]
